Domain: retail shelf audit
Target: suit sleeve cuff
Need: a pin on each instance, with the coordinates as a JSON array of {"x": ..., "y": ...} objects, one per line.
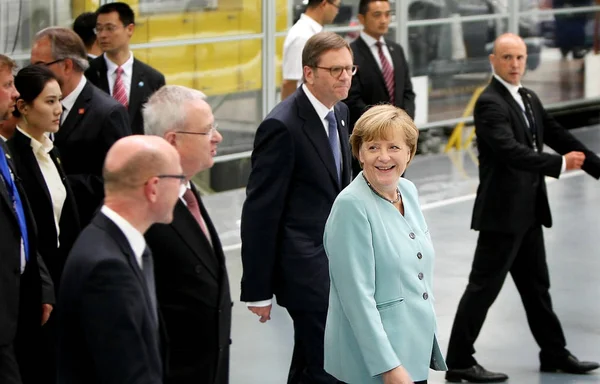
[{"x": 262, "y": 303}]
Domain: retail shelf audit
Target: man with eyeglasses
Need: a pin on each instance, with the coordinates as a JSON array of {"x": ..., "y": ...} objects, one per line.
[
  {"x": 300, "y": 163},
  {"x": 117, "y": 72},
  {"x": 108, "y": 321},
  {"x": 318, "y": 13},
  {"x": 91, "y": 120},
  {"x": 192, "y": 285},
  {"x": 383, "y": 76}
]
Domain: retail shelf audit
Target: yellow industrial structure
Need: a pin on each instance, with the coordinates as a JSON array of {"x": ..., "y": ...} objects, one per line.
[{"x": 216, "y": 68}]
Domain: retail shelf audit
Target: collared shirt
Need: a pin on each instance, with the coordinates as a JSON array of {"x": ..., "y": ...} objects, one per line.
[
  {"x": 69, "y": 101},
  {"x": 293, "y": 45},
  {"x": 126, "y": 76},
  {"x": 514, "y": 92},
  {"x": 3, "y": 138},
  {"x": 372, "y": 44},
  {"x": 54, "y": 184},
  {"x": 134, "y": 237}
]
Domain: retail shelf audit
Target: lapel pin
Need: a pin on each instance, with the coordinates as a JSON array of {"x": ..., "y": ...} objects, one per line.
[
  {"x": 141, "y": 84},
  {"x": 343, "y": 124},
  {"x": 7, "y": 155},
  {"x": 81, "y": 111}
]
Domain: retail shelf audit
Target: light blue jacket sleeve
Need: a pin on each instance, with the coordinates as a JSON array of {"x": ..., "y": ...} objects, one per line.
[{"x": 349, "y": 246}]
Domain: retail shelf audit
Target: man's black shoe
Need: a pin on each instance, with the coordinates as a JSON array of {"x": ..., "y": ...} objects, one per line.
[
  {"x": 475, "y": 374},
  {"x": 569, "y": 364}
]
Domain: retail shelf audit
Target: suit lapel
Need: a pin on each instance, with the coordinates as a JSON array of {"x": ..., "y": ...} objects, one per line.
[
  {"x": 136, "y": 88},
  {"x": 76, "y": 113},
  {"x": 24, "y": 146},
  {"x": 191, "y": 235},
  {"x": 4, "y": 186},
  {"x": 505, "y": 94},
  {"x": 315, "y": 130},
  {"x": 115, "y": 232},
  {"x": 102, "y": 74},
  {"x": 367, "y": 53}
]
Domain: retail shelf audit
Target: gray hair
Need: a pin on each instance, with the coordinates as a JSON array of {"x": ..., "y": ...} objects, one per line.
[
  {"x": 65, "y": 44},
  {"x": 165, "y": 110}
]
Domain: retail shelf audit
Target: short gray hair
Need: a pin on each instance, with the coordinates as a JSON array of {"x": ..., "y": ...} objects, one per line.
[
  {"x": 65, "y": 44},
  {"x": 165, "y": 110}
]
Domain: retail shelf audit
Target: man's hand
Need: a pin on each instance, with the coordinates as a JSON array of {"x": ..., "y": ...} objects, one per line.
[
  {"x": 263, "y": 312},
  {"x": 46, "y": 309},
  {"x": 398, "y": 375},
  {"x": 574, "y": 160}
]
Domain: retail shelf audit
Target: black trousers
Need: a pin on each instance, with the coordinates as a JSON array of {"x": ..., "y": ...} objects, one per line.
[
  {"x": 307, "y": 359},
  {"x": 9, "y": 369},
  {"x": 497, "y": 254}
]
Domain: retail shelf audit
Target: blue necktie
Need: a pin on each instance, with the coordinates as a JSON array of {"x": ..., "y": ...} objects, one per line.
[
  {"x": 16, "y": 199},
  {"x": 334, "y": 143}
]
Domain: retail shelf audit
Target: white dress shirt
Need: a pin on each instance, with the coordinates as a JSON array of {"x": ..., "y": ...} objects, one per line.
[
  {"x": 372, "y": 44},
  {"x": 514, "y": 92},
  {"x": 322, "y": 111},
  {"x": 126, "y": 76},
  {"x": 54, "y": 184},
  {"x": 293, "y": 45},
  {"x": 69, "y": 101},
  {"x": 135, "y": 238}
]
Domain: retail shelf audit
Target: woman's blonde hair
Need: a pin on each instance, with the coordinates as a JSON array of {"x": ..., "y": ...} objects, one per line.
[{"x": 379, "y": 123}]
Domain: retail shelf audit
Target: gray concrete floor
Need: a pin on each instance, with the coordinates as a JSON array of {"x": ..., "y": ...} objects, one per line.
[{"x": 447, "y": 183}]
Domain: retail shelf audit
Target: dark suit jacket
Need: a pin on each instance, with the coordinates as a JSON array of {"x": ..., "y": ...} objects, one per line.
[
  {"x": 291, "y": 188},
  {"x": 512, "y": 192},
  {"x": 21, "y": 295},
  {"x": 145, "y": 81},
  {"x": 41, "y": 205},
  {"x": 95, "y": 122},
  {"x": 106, "y": 330},
  {"x": 193, "y": 294},
  {"x": 368, "y": 86}
]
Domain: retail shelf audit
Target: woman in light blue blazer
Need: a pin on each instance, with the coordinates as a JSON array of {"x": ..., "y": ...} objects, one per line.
[{"x": 381, "y": 325}]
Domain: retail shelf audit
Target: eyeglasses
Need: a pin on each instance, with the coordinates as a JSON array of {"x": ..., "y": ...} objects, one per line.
[
  {"x": 181, "y": 178},
  {"x": 210, "y": 132},
  {"x": 335, "y": 5},
  {"x": 110, "y": 28},
  {"x": 337, "y": 71},
  {"x": 50, "y": 63}
]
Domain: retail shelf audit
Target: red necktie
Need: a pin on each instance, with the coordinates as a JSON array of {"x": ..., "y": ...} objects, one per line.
[
  {"x": 388, "y": 73},
  {"x": 192, "y": 204},
  {"x": 119, "y": 92}
]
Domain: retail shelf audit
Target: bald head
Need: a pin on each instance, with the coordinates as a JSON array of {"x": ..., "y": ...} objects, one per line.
[
  {"x": 134, "y": 159},
  {"x": 510, "y": 39},
  {"x": 509, "y": 58}
]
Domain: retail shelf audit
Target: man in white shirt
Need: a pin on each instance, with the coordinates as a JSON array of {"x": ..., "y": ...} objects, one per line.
[
  {"x": 300, "y": 163},
  {"x": 108, "y": 323},
  {"x": 510, "y": 209},
  {"x": 318, "y": 13},
  {"x": 117, "y": 72}
]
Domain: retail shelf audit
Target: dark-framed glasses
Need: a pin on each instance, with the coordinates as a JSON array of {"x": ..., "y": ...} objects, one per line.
[
  {"x": 334, "y": 4},
  {"x": 181, "y": 178},
  {"x": 210, "y": 132},
  {"x": 336, "y": 71},
  {"x": 50, "y": 63}
]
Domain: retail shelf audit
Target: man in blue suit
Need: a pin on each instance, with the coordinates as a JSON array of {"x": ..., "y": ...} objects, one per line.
[{"x": 301, "y": 161}]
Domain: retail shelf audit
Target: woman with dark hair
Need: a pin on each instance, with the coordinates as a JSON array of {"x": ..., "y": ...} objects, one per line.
[{"x": 38, "y": 165}]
